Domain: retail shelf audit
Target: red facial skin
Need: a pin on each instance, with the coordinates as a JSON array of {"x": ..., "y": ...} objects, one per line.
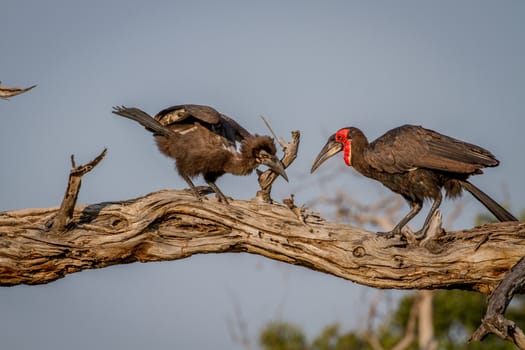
[{"x": 342, "y": 137}]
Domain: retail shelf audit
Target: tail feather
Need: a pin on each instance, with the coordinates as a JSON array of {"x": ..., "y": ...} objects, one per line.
[
  {"x": 143, "y": 118},
  {"x": 499, "y": 212}
]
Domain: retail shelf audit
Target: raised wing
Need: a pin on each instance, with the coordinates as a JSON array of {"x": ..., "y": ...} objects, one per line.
[
  {"x": 409, "y": 147},
  {"x": 235, "y": 129},
  {"x": 188, "y": 114},
  {"x": 183, "y": 119}
]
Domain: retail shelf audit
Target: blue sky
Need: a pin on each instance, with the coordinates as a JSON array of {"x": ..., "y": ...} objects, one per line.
[{"x": 455, "y": 67}]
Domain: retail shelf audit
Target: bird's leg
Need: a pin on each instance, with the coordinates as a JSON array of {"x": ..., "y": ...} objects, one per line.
[
  {"x": 437, "y": 201},
  {"x": 416, "y": 207},
  {"x": 193, "y": 189},
  {"x": 220, "y": 195}
]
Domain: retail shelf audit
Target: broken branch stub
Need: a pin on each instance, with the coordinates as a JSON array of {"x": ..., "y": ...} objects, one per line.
[
  {"x": 65, "y": 214},
  {"x": 267, "y": 177},
  {"x": 6, "y": 91}
]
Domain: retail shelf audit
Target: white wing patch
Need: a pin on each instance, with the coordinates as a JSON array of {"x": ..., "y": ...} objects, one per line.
[
  {"x": 230, "y": 148},
  {"x": 193, "y": 128}
]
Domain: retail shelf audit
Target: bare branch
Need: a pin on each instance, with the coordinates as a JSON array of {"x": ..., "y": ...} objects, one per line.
[
  {"x": 425, "y": 328},
  {"x": 459, "y": 208},
  {"x": 65, "y": 213},
  {"x": 370, "y": 336},
  {"x": 6, "y": 91},
  {"x": 381, "y": 214},
  {"x": 239, "y": 327},
  {"x": 494, "y": 321},
  {"x": 410, "y": 330},
  {"x": 267, "y": 177},
  {"x": 171, "y": 225}
]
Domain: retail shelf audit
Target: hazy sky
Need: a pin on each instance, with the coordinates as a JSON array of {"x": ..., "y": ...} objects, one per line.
[{"x": 453, "y": 66}]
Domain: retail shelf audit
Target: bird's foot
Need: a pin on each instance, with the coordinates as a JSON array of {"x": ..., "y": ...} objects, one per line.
[
  {"x": 222, "y": 198},
  {"x": 218, "y": 193},
  {"x": 200, "y": 191}
]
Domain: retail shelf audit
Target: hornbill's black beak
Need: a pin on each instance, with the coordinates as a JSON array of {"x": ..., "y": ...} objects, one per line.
[
  {"x": 329, "y": 150},
  {"x": 276, "y": 165}
]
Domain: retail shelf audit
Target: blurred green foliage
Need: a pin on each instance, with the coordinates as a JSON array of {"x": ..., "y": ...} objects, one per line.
[{"x": 456, "y": 314}]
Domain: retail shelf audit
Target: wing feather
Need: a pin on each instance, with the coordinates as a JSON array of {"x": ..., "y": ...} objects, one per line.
[
  {"x": 235, "y": 129},
  {"x": 183, "y": 119},
  {"x": 187, "y": 114},
  {"x": 409, "y": 147}
]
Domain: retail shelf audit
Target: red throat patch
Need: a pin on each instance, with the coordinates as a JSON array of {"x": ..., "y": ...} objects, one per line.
[{"x": 347, "y": 150}]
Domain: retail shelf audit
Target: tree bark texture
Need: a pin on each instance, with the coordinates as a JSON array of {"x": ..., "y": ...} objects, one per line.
[{"x": 171, "y": 225}]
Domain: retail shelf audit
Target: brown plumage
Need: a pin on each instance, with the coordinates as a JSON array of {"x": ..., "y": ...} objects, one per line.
[
  {"x": 203, "y": 142},
  {"x": 416, "y": 163}
]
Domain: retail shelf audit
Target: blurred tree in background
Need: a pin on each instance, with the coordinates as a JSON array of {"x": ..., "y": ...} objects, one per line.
[{"x": 455, "y": 313}]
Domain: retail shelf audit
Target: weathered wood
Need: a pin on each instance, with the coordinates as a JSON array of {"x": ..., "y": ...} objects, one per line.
[
  {"x": 267, "y": 178},
  {"x": 6, "y": 91},
  {"x": 494, "y": 321},
  {"x": 67, "y": 207},
  {"x": 170, "y": 225}
]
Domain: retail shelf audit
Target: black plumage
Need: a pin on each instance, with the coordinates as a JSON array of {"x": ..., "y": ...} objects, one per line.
[
  {"x": 203, "y": 142},
  {"x": 417, "y": 163}
]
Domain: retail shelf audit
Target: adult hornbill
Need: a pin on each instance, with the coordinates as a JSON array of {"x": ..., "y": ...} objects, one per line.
[
  {"x": 203, "y": 142},
  {"x": 416, "y": 163}
]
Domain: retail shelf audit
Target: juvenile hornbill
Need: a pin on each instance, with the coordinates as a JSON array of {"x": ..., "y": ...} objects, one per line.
[
  {"x": 416, "y": 163},
  {"x": 203, "y": 142}
]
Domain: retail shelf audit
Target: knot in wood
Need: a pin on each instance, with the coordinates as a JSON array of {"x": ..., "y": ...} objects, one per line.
[
  {"x": 118, "y": 223},
  {"x": 359, "y": 252},
  {"x": 399, "y": 260}
]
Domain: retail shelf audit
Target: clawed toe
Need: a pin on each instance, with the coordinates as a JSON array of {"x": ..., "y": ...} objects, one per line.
[
  {"x": 203, "y": 190},
  {"x": 200, "y": 191},
  {"x": 223, "y": 199}
]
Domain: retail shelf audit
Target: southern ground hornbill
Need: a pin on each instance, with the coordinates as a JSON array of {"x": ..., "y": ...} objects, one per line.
[
  {"x": 416, "y": 163},
  {"x": 203, "y": 142}
]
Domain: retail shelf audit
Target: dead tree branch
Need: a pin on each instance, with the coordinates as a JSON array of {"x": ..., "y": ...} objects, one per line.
[
  {"x": 267, "y": 177},
  {"x": 171, "y": 225},
  {"x": 410, "y": 329},
  {"x": 369, "y": 335},
  {"x": 65, "y": 213},
  {"x": 385, "y": 211},
  {"x": 6, "y": 91},
  {"x": 494, "y": 321}
]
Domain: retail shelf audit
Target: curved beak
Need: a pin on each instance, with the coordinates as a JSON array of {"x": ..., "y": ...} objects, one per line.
[
  {"x": 276, "y": 165},
  {"x": 329, "y": 150}
]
